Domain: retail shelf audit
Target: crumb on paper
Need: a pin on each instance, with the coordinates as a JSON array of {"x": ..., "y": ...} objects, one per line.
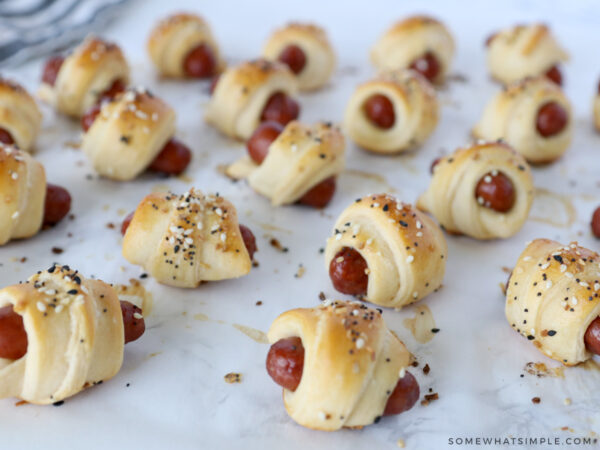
[
  {"x": 277, "y": 245},
  {"x": 430, "y": 398},
  {"x": 322, "y": 296},
  {"x": 57, "y": 250},
  {"x": 426, "y": 369},
  {"x": 72, "y": 144},
  {"x": 233, "y": 377},
  {"x": 507, "y": 270},
  {"x": 400, "y": 443},
  {"x": 536, "y": 400},
  {"x": 21, "y": 403},
  {"x": 258, "y": 303},
  {"x": 567, "y": 401},
  {"x": 110, "y": 226},
  {"x": 301, "y": 271},
  {"x": 255, "y": 263}
]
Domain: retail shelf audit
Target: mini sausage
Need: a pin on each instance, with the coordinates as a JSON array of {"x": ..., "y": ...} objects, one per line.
[
  {"x": 294, "y": 57},
  {"x": 434, "y": 163},
  {"x": 495, "y": 191},
  {"x": 380, "y": 111},
  {"x": 319, "y": 195},
  {"x": 112, "y": 91},
  {"x": 173, "y": 158},
  {"x": 261, "y": 139},
  {"x": 13, "y": 337},
  {"x": 554, "y": 74},
  {"x": 551, "y": 119},
  {"x": 285, "y": 364},
  {"x": 133, "y": 321},
  {"x": 249, "y": 240},
  {"x": 51, "y": 68},
  {"x": 596, "y": 222},
  {"x": 348, "y": 272},
  {"x": 592, "y": 337},
  {"x": 427, "y": 65},
  {"x": 200, "y": 62},
  {"x": 126, "y": 223},
  {"x": 280, "y": 108},
  {"x": 57, "y": 206},
  {"x": 6, "y": 137},
  {"x": 89, "y": 117}
]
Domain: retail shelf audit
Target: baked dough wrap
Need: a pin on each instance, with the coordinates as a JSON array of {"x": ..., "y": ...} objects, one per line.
[
  {"x": 313, "y": 41},
  {"x": 552, "y": 298},
  {"x": 128, "y": 134},
  {"x": 300, "y": 158},
  {"x": 404, "y": 249},
  {"x": 174, "y": 37},
  {"x": 523, "y": 51},
  {"x": 19, "y": 114},
  {"x": 409, "y": 40},
  {"x": 22, "y": 194},
  {"x": 450, "y": 196},
  {"x": 75, "y": 336},
  {"x": 242, "y": 93},
  {"x": 511, "y": 115},
  {"x": 416, "y": 112},
  {"x": 87, "y": 72},
  {"x": 183, "y": 240},
  {"x": 352, "y": 363}
]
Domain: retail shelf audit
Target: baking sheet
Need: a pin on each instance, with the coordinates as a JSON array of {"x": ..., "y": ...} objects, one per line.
[{"x": 171, "y": 393}]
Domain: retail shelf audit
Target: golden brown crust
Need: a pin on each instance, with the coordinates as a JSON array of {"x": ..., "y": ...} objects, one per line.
[
  {"x": 128, "y": 134},
  {"x": 410, "y": 39},
  {"x": 352, "y": 363},
  {"x": 242, "y": 93},
  {"x": 19, "y": 114},
  {"x": 523, "y": 51},
  {"x": 300, "y": 158},
  {"x": 22, "y": 194},
  {"x": 404, "y": 249},
  {"x": 174, "y": 37},
  {"x": 512, "y": 114},
  {"x": 75, "y": 336},
  {"x": 183, "y": 240},
  {"x": 450, "y": 196},
  {"x": 416, "y": 112},
  {"x": 552, "y": 298},
  {"x": 313, "y": 41},
  {"x": 84, "y": 75}
]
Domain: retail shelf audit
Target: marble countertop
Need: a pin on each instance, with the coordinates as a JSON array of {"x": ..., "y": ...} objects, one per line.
[{"x": 171, "y": 393}]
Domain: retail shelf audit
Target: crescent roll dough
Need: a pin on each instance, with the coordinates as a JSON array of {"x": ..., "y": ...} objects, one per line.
[
  {"x": 409, "y": 40},
  {"x": 312, "y": 40},
  {"x": 300, "y": 158},
  {"x": 511, "y": 115},
  {"x": 74, "y": 331},
  {"x": 450, "y": 196},
  {"x": 19, "y": 114},
  {"x": 341, "y": 388},
  {"x": 128, "y": 134},
  {"x": 174, "y": 37},
  {"x": 523, "y": 51},
  {"x": 22, "y": 194},
  {"x": 404, "y": 249},
  {"x": 242, "y": 93},
  {"x": 183, "y": 240},
  {"x": 415, "y": 107},
  {"x": 87, "y": 72},
  {"x": 552, "y": 298}
]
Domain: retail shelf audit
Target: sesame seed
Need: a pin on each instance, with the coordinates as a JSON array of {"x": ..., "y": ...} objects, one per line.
[
  {"x": 15, "y": 215},
  {"x": 410, "y": 259},
  {"x": 137, "y": 315},
  {"x": 563, "y": 268},
  {"x": 41, "y": 306},
  {"x": 402, "y": 373},
  {"x": 360, "y": 343}
]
